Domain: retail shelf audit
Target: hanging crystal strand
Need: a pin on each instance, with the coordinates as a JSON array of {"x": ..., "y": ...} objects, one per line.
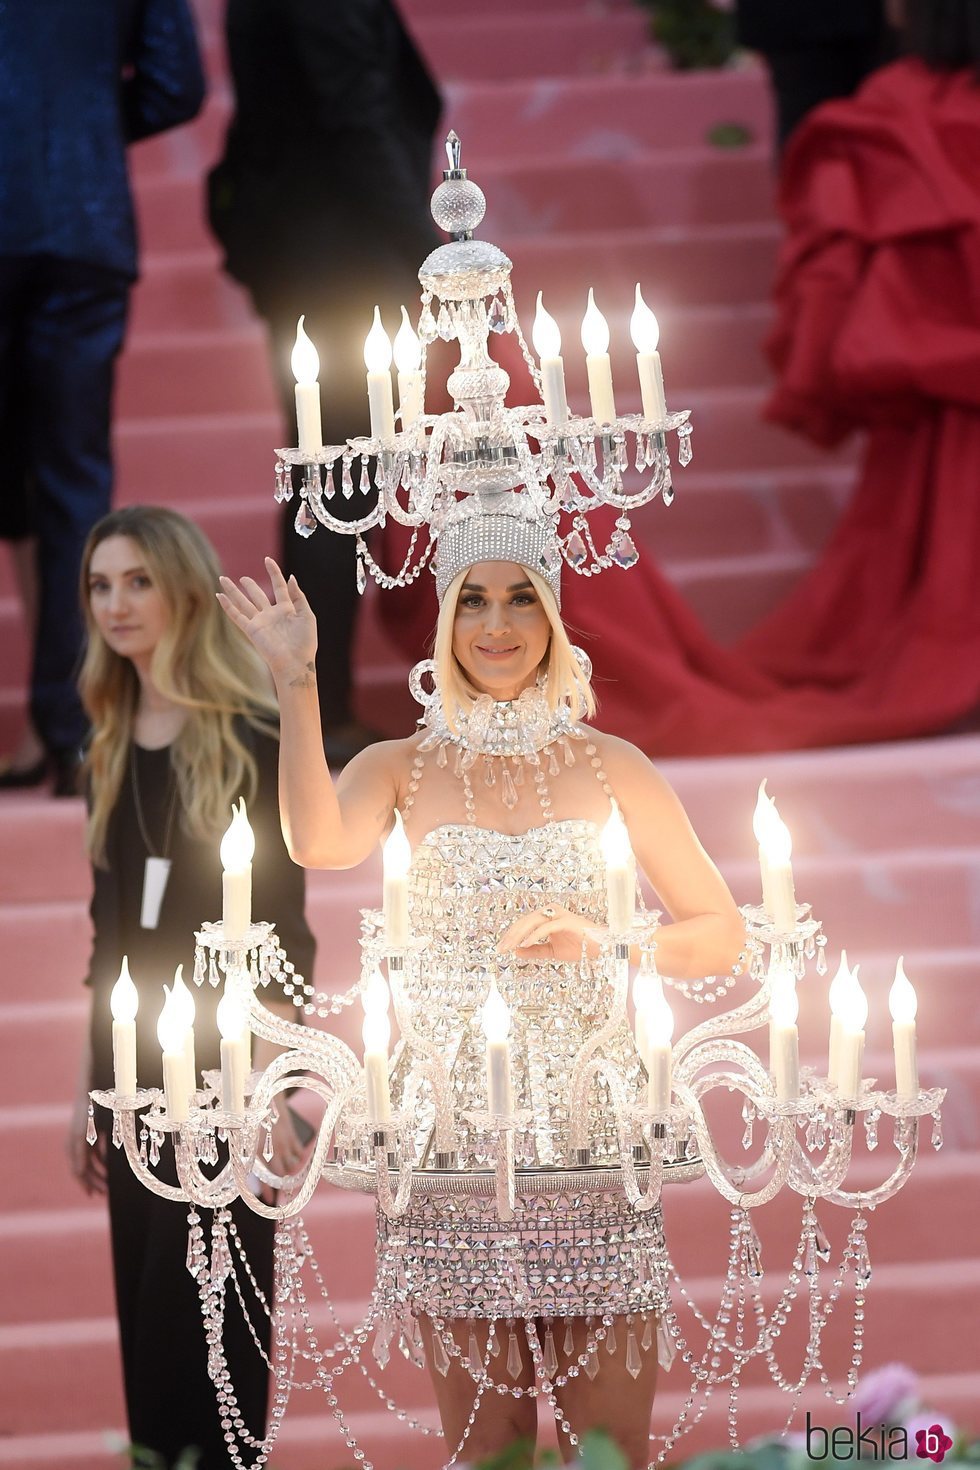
[{"x": 861, "y": 1254}]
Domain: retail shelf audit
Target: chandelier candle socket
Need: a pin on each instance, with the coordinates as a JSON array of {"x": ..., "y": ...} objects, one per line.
[
  {"x": 837, "y": 996},
  {"x": 235, "y": 1059},
  {"x": 376, "y": 1032},
  {"x": 408, "y": 361},
  {"x": 237, "y": 851},
  {"x": 124, "y": 1003},
  {"x": 903, "y": 1004},
  {"x": 854, "y": 1018},
  {"x": 496, "y": 1028},
  {"x": 305, "y": 364},
  {"x": 171, "y": 1033},
  {"x": 377, "y": 360},
  {"x": 186, "y": 1011},
  {"x": 659, "y": 1026},
  {"x": 645, "y": 331},
  {"x": 595, "y": 340},
  {"x": 546, "y": 336},
  {"x": 396, "y": 861},
  {"x": 620, "y": 872},
  {"x": 784, "y": 1037}
]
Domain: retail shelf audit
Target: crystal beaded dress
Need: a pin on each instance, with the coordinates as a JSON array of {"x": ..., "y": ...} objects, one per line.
[{"x": 578, "y": 1251}]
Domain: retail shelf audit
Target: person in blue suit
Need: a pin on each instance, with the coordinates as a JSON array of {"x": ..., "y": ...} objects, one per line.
[{"x": 78, "y": 83}]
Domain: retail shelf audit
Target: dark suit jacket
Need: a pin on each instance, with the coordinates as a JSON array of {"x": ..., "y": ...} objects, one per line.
[
  {"x": 326, "y": 166},
  {"x": 79, "y": 79},
  {"x": 788, "y": 25}
]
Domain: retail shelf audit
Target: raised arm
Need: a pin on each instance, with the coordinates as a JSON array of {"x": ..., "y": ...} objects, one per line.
[{"x": 324, "y": 826}]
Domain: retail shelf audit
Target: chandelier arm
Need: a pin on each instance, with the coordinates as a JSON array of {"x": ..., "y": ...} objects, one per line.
[
  {"x": 809, "y": 1178},
  {"x": 323, "y": 1050},
  {"x": 870, "y": 1198},
  {"x": 434, "y": 1058},
  {"x": 748, "y": 1016},
  {"x": 581, "y": 1077},
  {"x": 717, "y": 1168},
  {"x": 345, "y": 528},
  {"x": 298, "y": 1202},
  {"x": 127, "y": 1123}
]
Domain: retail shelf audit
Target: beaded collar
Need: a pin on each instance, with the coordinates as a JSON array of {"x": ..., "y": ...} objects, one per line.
[{"x": 511, "y": 727}]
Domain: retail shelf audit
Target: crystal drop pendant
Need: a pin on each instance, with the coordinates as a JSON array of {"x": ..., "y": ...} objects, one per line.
[
  {"x": 937, "y": 1131},
  {"x": 268, "y": 1150},
  {"x": 871, "y": 1129},
  {"x": 684, "y": 451},
  {"x": 515, "y": 1364},
  {"x": 862, "y": 1261},
  {"x": 439, "y": 1356},
  {"x": 634, "y": 1362},
  {"x": 821, "y": 965},
  {"x": 382, "y": 1346},
  {"x": 427, "y": 325},
  {"x": 475, "y": 1356},
  {"x": 592, "y": 1364},
  {"x": 549, "y": 1356},
  {"x": 444, "y": 324},
  {"x": 305, "y": 522},
  {"x": 646, "y": 1341},
  {"x": 753, "y": 1258},
  {"x": 821, "y": 1241},
  {"x": 611, "y": 1343},
  {"x": 154, "y": 1149},
  {"x": 364, "y": 484},
  {"x": 622, "y": 550},
  {"x": 284, "y": 484},
  {"x": 508, "y": 790},
  {"x": 518, "y": 771},
  {"x": 497, "y": 317},
  {"x": 666, "y": 1351},
  {"x": 489, "y": 774},
  {"x": 190, "y": 1260},
  {"x": 442, "y": 756},
  {"x": 91, "y": 1132},
  {"x": 811, "y": 1266},
  {"x": 569, "y": 754},
  {"x": 576, "y": 550},
  {"x": 554, "y": 769},
  {"x": 494, "y": 1340},
  {"x": 568, "y": 1341},
  {"x": 117, "y": 1137},
  {"x": 346, "y": 483},
  {"x": 361, "y": 576},
  {"x": 667, "y": 493}
]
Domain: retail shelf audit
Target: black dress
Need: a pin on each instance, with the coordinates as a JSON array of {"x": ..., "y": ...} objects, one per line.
[{"x": 170, "y": 1399}]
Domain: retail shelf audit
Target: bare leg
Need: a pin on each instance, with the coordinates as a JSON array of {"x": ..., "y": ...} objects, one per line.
[
  {"x": 613, "y": 1400},
  {"x": 501, "y": 1419}
]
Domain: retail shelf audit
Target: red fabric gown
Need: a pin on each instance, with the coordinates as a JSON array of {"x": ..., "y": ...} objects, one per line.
[{"x": 877, "y": 327}]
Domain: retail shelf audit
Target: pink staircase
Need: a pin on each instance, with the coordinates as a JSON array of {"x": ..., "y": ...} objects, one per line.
[{"x": 598, "y": 172}]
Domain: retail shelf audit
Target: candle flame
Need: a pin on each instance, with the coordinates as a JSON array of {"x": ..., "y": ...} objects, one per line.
[
  {"x": 760, "y": 816},
  {"x": 615, "y": 839},
  {"x": 902, "y": 1000},
  {"x": 231, "y": 1016},
  {"x": 170, "y": 1027},
  {"x": 855, "y": 1009},
  {"x": 772, "y": 833},
  {"x": 124, "y": 999},
  {"x": 595, "y": 329},
  {"x": 238, "y": 844},
  {"x": 377, "y": 346},
  {"x": 495, "y": 1015},
  {"x": 644, "y": 327},
  {"x": 305, "y": 361},
  {"x": 545, "y": 333},
  {"x": 408, "y": 348},
  {"x": 183, "y": 999},
  {"x": 396, "y": 854},
  {"x": 840, "y": 985}
]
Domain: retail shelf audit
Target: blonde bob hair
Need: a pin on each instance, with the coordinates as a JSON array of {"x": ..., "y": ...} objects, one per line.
[
  {"x": 566, "y": 680},
  {"x": 202, "y": 663}
]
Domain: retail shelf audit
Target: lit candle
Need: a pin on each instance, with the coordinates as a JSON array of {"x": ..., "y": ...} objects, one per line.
[
  {"x": 784, "y": 1037},
  {"x": 396, "y": 859},
  {"x": 376, "y": 1032},
  {"x": 185, "y": 1009},
  {"x": 233, "y": 1025},
  {"x": 779, "y": 894},
  {"x": 759, "y": 818},
  {"x": 237, "y": 851},
  {"x": 646, "y": 984},
  {"x": 496, "y": 1027},
  {"x": 170, "y": 1033},
  {"x": 645, "y": 332},
  {"x": 659, "y": 1024},
  {"x": 837, "y": 995},
  {"x": 124, "y": 1003},
  {"x": 408, "y": 361},
  {"x": 547, "y": 344},
  {"x": 903, "y": 1004},
  {"x": 595, "y": 340},
  {"x": 855, "y": 1014},
  {"x": 377, "y": 360},
  {"x": 306, "y": 369},
  {"x": 620, "y": 872}
]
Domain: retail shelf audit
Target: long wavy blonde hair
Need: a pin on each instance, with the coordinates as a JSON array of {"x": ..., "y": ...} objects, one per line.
[
  {"x": 566, "y": 679},
  {"x": 201, "y": 663}
]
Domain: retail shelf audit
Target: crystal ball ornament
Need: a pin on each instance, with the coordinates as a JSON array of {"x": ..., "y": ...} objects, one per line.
[{"x": 458, "y": 206}]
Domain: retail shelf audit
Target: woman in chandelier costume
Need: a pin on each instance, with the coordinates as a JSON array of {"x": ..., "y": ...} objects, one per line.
[
  {"x": 183, "y": 723},
  {"x": 503, "y": 792}
]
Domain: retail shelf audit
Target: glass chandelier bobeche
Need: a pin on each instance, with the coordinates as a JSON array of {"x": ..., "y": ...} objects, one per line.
[{"x": 635, "y": 1124}]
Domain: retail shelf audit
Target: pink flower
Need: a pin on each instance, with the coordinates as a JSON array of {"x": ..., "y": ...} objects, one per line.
[{"x": 885, "y": 1394}]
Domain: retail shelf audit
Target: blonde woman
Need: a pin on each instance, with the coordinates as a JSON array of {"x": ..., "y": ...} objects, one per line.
[
  {"x": 503, "y": 793},
  {"x": 183, "y": 724}
]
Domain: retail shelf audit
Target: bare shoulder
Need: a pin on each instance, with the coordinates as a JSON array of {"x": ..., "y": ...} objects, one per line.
[
  {"x": 386, "y": 762},
  {"x": 628, "y": 769}
]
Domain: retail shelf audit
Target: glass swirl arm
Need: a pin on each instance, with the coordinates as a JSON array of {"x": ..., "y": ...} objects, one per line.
[
  {"x": 860, "y": 1199},
  {"x": 126, "y": 1120}
]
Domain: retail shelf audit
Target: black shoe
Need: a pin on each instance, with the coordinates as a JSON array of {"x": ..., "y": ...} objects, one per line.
[
  {"x": 13, "y": 778},
  {"x": 67, "y": 768}
]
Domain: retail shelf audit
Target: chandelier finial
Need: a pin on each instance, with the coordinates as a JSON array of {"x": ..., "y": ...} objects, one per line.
[{"x": 453, "y": 151}]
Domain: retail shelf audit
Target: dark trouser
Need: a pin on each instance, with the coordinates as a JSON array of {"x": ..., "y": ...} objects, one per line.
[
  {"x": 170, "y": 1399},
  {"x": 61, "y": 328}
]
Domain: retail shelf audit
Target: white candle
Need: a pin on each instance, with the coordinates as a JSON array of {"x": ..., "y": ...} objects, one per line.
[
  {"x": 233, "y": 1026},
  {"x": 759, "y": 819},
  {"x": 646, "y": 984},
  {"x": 595, "y": 340},
  {"x": 376, "y": 1032},
  {"x": 779, "y": 894},
  {"x": 124, "y": 1003},
  {"x": 377, "y": 360},
  {"x": 186, "y": 1010},
  {"x": 408, "y": 361},
  {"x": 170, "y": 1033},
  {"x": 837, "y": 996},
  {"x": 645, "y": 331},
  {"x": 547, "y": 344},
  {"x": 306, "y": 369},
  {"x": 784, "y": 1037},
  {"x": 659, "y": 1024},
  {"x": 496, "y": 1027},
  {"x": 396, "y": 857},
  {"x": 620, "y": 872},
  {"x": 903, "y": 1004},
  {"x": 237, "y": 851},
  {"x": 855, "y": 1014}
]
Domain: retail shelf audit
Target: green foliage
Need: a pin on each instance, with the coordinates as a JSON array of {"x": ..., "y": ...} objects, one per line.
[
  {"x": 597, "y": 1452},
  {"x": 729, "y": 135},
  {"x": 141, "y": 1458},
  {"x": 694, "y": 33}
]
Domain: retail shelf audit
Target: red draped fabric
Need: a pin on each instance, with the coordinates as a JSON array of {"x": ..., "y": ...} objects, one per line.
[{"x": 877, "y": 327}]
